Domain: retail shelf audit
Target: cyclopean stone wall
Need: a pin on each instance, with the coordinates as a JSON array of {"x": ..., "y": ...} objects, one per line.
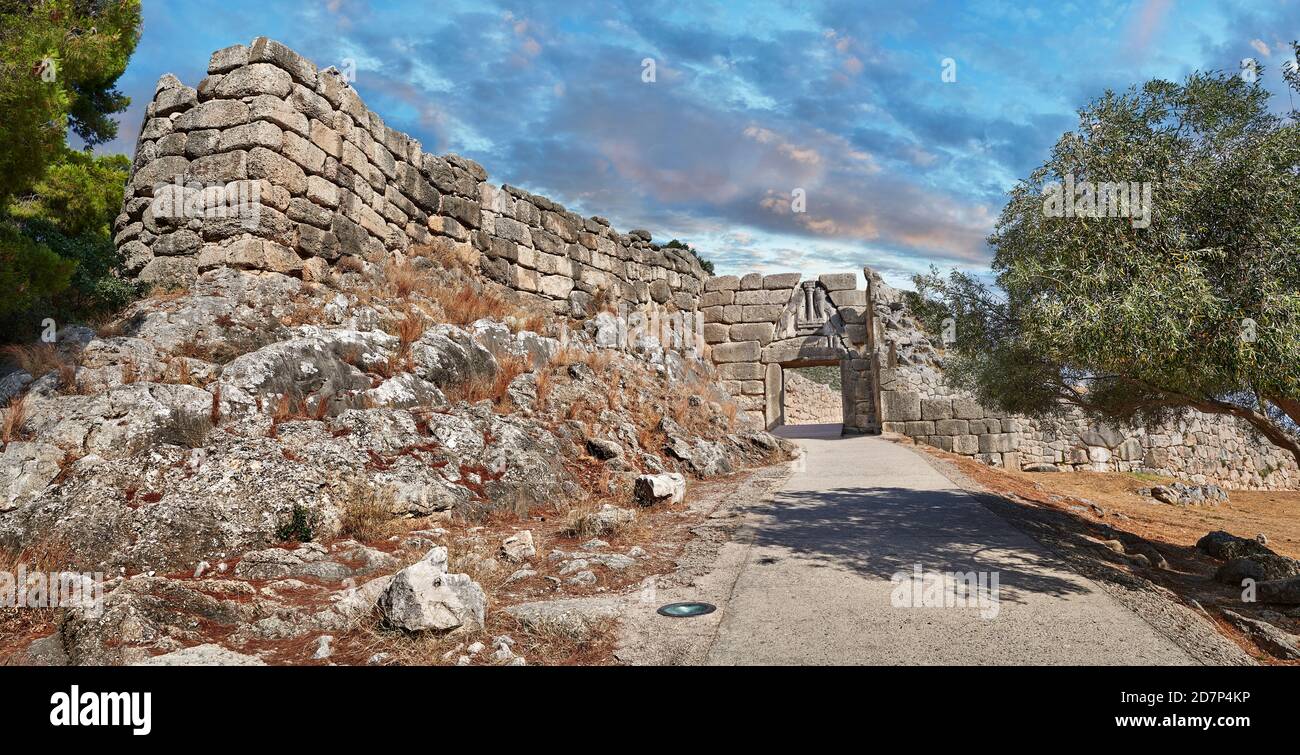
[
  {"x": 915, "y": 402},
  {"x": 270, "y": 163},
  {"x": 758, "y": 325}
]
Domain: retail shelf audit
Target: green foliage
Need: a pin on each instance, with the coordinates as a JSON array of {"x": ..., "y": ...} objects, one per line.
[
  {"x": 1199, "y": 310},
  {"x": 59, "y": 61},
  {"x": 706, "y": 265},
  {"x": 29, "y": 271},
  {"x": 79, "y": 193},
  {"x": 299, "y": 528}
]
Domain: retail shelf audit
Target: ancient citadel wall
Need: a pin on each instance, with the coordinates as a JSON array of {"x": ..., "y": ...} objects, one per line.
[{"x": 272, "y": 164}]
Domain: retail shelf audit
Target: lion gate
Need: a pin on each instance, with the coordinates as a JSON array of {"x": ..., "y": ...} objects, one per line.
[{"x": 761, "y": 325}]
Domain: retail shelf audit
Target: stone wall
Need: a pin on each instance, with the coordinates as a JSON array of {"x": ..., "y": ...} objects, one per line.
[
  {"x": 758, "y": 325},
  {"x": 915, "y": 402},
  {"x": 808, "y": 402},
  {"x": 272, "y": 164}
]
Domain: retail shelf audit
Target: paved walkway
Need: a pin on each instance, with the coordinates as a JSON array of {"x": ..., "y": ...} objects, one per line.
[{"x": 816, "y": 586}]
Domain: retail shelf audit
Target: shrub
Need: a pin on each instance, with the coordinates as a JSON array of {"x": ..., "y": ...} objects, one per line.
[{"x": 299, "y": 528}]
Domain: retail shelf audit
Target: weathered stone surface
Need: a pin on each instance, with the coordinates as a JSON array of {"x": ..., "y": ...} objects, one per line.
[
  {"x": 660, "y": 488},
  {"x": 900, "y": 406},
  {"x": 422, "y": 597}
]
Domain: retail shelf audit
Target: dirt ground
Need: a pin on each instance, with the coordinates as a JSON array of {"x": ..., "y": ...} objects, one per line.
[{"x": 1106, "y": 507}]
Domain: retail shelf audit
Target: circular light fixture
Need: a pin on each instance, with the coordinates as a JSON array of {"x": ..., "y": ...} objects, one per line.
[{"x": 686, "y": 610}]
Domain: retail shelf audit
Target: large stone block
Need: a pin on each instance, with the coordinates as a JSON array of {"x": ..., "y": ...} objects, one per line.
[
  {"x": 968, "y": 445},
  {"x": 745, "y": 351},
  {"x": 742, "y": 371},
  {"x": 716, "y": 332},
  {"x": 900, "y": 406},
  {"x": 918, "y": 428},
  {"x": 722, "y": 283},
  {"x": 220, "y": 114},
  {"x": 936, "y": 408},
  {"x": 991, "y": 443},
  {"x": 839, "y": 281},
  {"x": 751, "y": 282},
  {"x": 774, "y": 395},
  {"x": 781, "y": 280},
  {"x": 761, "y": 313},
  {"x": 755, "y": 331},
  {"x": 278, "y": 169},
  {"x": 254, "y": 79},
  {"x": 967, "y": 408},
  {"x": 265, "y": 50},
  {"x": 717, "y": 298},
  {"x": 949, "y": 426},
  {"x": 228, "y": 59},
  {"x": 249, "y": 135}
]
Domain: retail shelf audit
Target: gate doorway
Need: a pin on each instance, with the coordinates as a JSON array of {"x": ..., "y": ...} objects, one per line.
[{"x": 812, "y": 395}]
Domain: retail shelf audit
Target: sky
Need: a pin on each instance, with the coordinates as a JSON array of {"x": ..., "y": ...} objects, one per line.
[{"x": 752, "y": 105}]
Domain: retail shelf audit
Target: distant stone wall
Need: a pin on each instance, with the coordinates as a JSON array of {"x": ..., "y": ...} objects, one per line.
[
  {"x": 915, "y": 402},
  {"x": 272, "y": 164},
  {"x": 758, "y": 325},
  {"x": 808, "y": 402}
]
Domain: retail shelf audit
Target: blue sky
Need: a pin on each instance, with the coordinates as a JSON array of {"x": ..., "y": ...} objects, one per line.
[{"x": 844, "y": 100}]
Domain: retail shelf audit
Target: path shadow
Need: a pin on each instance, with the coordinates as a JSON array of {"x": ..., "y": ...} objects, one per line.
[
  {"x": 832, "y": 431},
  {"x": 882, "y": 531}
]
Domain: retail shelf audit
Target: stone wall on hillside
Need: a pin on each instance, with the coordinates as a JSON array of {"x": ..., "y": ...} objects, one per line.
[
  {"x": 270, "y": 163},
  {"x": 914, "y": 401}
]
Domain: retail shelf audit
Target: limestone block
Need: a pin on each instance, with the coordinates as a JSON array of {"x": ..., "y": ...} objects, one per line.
[
  {"x": 761, "y": 313},
  {"x": 918, "y": 428},
  {"x": 968, "y": 445},
  {"x": 967, "y": 408},
  {"x": 722, "y": 283},
  {"x": 757, "y": 331},
  {"x": 742, "y": 371},
  {"x": 900, "y": 406},
  {"x": 781, "y": 280},
  {"x": 839, "y": 281},
  {"x": 751, "y": 281},
  {"x": 774, "y": 396},
  {"x": 950, "y": 426},
  {"x": 745, "y": 351},
  {"x": 936, "y": 408}
]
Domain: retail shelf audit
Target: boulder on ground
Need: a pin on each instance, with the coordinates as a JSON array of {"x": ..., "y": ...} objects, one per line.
[
  {"x": 421, "y": 597},
  {"x": 660, "y": 488}
]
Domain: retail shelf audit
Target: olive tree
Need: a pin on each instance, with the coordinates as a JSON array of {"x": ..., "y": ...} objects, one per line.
[{"x": 1150, "y": 266}]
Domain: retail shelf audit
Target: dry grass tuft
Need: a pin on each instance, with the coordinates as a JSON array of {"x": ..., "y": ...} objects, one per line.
[
  {"x": 37, "y": 359},
  {"x": 462, "y": 304},
  {"x": 456, "y": 257},
  {"x": 11, "y": 429},
  {"x": 403, "y": 278},
  {"x": 409, "y": 330},
  {"x": 491, "y": 388},
  {"x": 19, "y": 626},
  {"x": 366, "y": 513}
]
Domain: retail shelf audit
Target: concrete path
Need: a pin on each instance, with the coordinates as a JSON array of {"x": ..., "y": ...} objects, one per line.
[{"x": 815, "y": 587}]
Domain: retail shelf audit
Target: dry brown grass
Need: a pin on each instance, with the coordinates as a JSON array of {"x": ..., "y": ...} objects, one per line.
[
  {"x": 19, "y": 626},
  {"x": 461, "y": 257},
  {"x": 598, "y": 361},
  {"x": 462, "y": 304},
  {"x": 129, "y": 372},
  {"x": 403, "y": 278},
  {"x": 214, "y": 414},
  {"x": 409, "y": 329},
  {"x": 37, "y": 359},
  {"x": 350, "y": 264},
  {"x": 366, "y": 513},
  {"x": 492, "y": 388},
  {"x": 11, "y": 429}
]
